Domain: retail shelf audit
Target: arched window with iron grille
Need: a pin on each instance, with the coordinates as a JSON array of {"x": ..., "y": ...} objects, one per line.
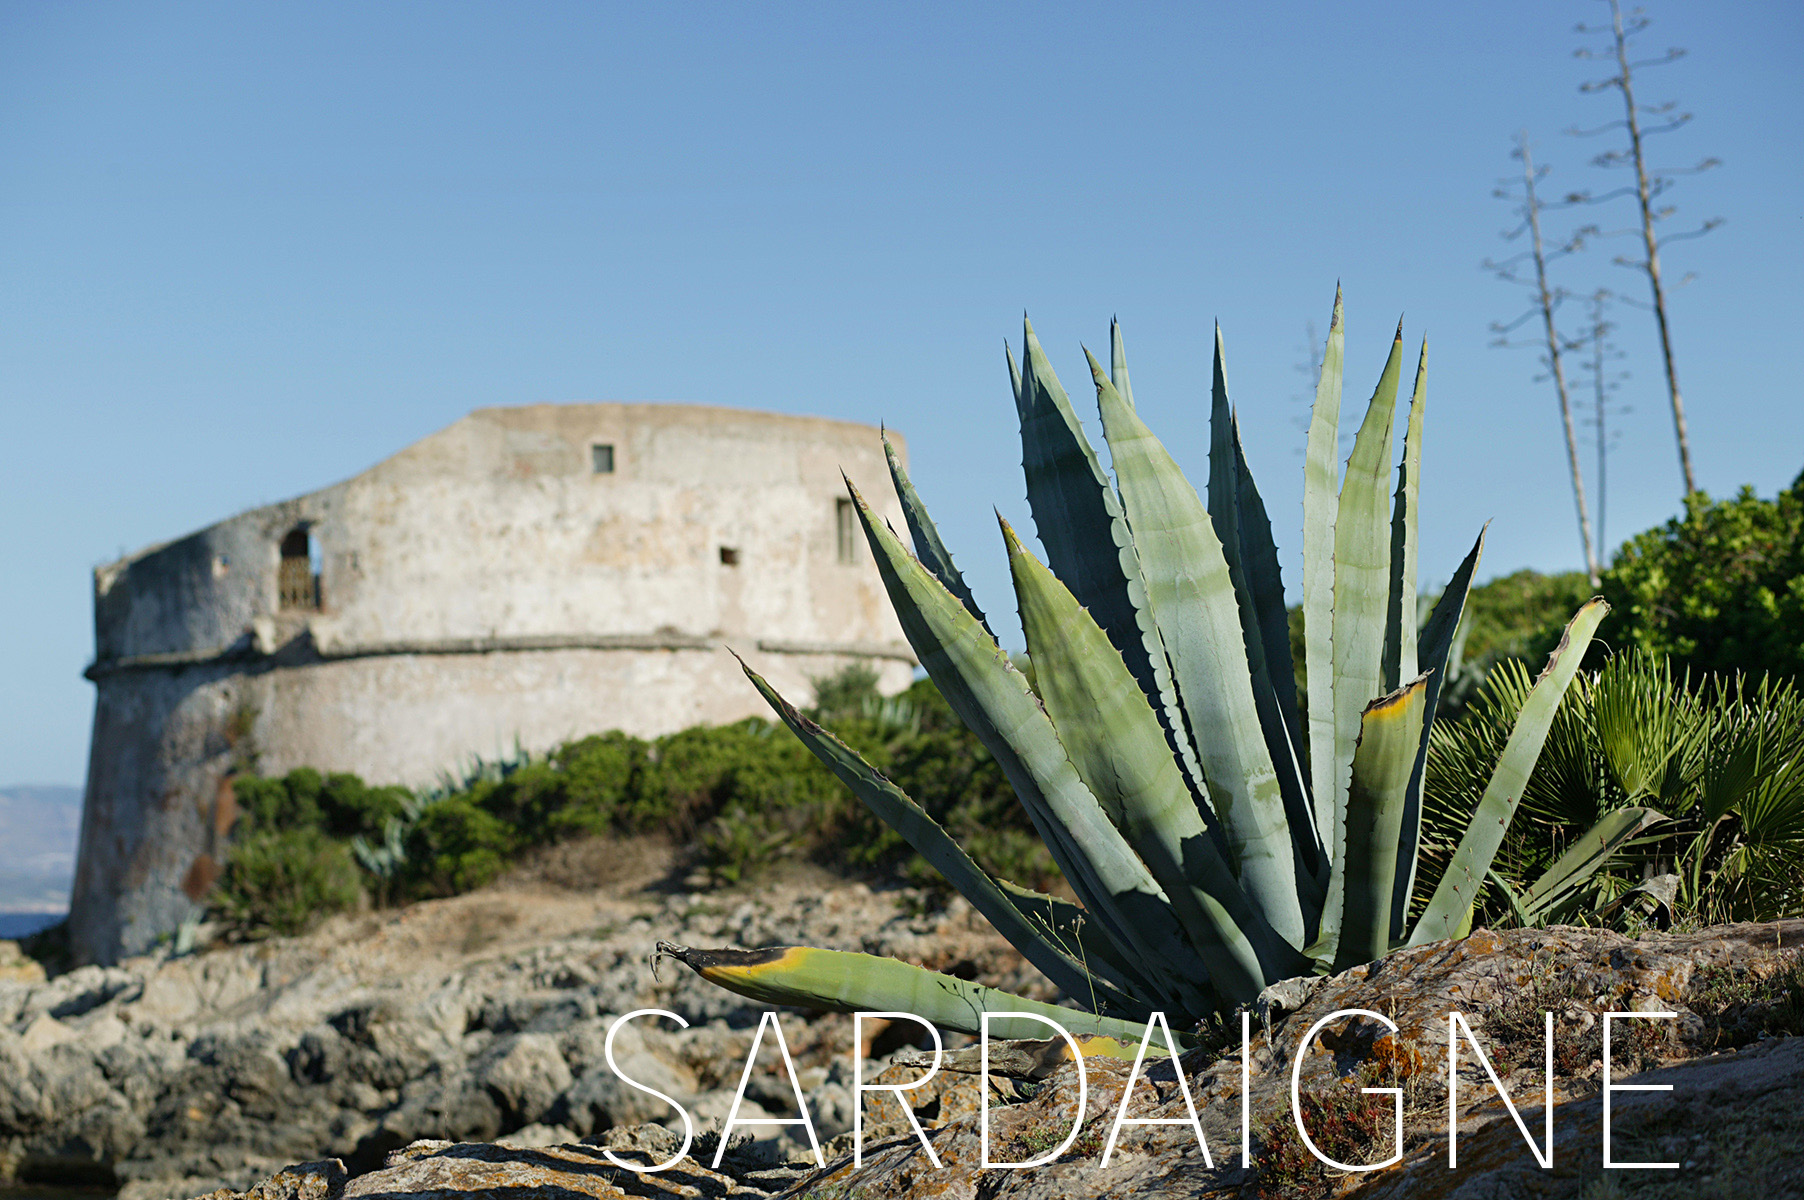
[{"x": 297, "y": 579}]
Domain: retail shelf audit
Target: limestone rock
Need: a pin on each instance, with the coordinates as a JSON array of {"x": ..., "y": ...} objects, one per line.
[
  {"x": 526, "y": 1077},
  {"x": 16, "y": 968},
  {"x": 440, "y": 1169},
  {"x": 173, "y": 1076},
  {"x": 177, "y": 1077},
  {"x": 323, "y": 1180}
]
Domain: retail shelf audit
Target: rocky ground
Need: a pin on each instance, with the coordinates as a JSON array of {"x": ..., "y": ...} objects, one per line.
[
  {"x": 473, "y": 1019},
  {"x": 455, "y": 1048},
  {"x": 1732, "y": 1121}
]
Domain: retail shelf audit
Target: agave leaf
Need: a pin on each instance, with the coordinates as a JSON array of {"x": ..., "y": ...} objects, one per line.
[
  {"x": 1658, "y": 891},
  {"x": 1191, "y": 595},
  {"x": 1400, "y": 618},
  {"x": 1080, "y": 935},
  {"x": 1362, "y": 569},
  {"x": 935, "y": 845},
  {"x": 991, "y": 697},
  {"x": 1164, "y": 691},
  {"x": 1451, "y": 904},
  {"x": 1435, "y": 646},
  {"x": 1095, "y": 557},
  {"x": 1245, "y": 533},
  {"x": 1118, "y": 374},
  {"x": 1114, "y": 740},
  {"x": 1361, "y": 591},
  {"x": 1259, "y": 557},
  {"x": 1321, "y": 480},
  {"x": 840, "y": 981},
  {"x": 1587, "y": 855},
  {"x": 926, "y": 536},
  {"x": 1076, "y": 512},
  {"x": 1390, "y": 732}
]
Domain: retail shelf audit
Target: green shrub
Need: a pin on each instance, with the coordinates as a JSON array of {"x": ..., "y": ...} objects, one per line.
[
  {"x": 601, "y": 775},
  {"x": 742, "y": 796},
  {"x": 458, "y": 845},
  {"x": 845, "y": 693},
  {"x": 948, "y": 771},
  {"x": 696, "y": 772},
  {"x": 279, "y": 882},
  {"x": 350, "y": 807},
  {"x": 1720, "y": 588},
  {"x": 340, "y": 804}
]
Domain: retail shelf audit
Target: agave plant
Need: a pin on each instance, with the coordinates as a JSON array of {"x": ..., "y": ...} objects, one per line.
[{"x": 1218, "y": 838}]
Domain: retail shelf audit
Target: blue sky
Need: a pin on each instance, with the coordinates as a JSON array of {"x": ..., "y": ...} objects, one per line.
[{"x": 247, "y": 250}]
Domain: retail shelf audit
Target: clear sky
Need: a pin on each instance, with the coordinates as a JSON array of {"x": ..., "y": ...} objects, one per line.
[{"x": 247, "y": 250}]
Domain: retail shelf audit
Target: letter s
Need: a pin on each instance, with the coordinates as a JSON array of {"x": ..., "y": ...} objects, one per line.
[{"x": 607, "y": 1051}]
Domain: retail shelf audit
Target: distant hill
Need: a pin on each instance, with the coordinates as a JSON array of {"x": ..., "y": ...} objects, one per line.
[{"x": 39, "y": 824}]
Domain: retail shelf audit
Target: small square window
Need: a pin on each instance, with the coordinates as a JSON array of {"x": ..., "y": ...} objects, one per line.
[
  {"x": 601, "y": 458},
  {"x": 729, "y": 556}
]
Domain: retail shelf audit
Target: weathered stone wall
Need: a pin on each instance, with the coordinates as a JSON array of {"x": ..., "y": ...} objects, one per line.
[{"x": 484, "y": 588}]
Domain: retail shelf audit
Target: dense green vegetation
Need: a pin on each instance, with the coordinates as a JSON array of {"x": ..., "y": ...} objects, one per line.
[
  {"x": 740, "y": 796},
  {"x": 1719, "y": 589},
  {"x": 1722, "y": 760}
]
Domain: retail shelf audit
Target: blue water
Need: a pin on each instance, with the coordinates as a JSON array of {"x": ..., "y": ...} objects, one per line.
[{"x": 17, "y": 924}]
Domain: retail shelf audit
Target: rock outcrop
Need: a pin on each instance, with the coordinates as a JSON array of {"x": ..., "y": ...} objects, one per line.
[
  {"x": 472, "y": 1019},
  {"x": 1732, "y": 1119}
]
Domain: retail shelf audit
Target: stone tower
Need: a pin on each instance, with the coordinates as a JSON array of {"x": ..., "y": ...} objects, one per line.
[{"x": 525, "y": 576}]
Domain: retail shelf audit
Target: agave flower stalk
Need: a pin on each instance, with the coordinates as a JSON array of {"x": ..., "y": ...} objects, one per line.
[{"x": 1218, "y": 836}]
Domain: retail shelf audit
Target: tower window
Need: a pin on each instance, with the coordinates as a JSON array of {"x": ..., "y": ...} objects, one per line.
[
  {"x": 846, "y": 529},
  {"x": 297, "y": 579},
  {"x": 729, "y": 556},
  {"x": 601, "y": 458}
]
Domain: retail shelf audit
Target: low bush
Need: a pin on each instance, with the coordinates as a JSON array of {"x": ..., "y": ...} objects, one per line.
[
  {"x": 278, "y": 882},
  {"x": 457, "y": 846},
  {"x": 742, "y": 797},
  {"x": 341, "y": 805}
]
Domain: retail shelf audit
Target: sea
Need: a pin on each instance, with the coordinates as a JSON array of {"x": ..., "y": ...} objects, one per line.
[{"x": 15, "y": 925}]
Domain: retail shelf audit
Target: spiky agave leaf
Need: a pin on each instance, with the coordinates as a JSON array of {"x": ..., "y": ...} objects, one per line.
[
  {"x": 1434, "y": 647},
  {"x": 1010, "y": 914},
  {"x": 1321, "y": 480},
  {"x": 1362, "y": 569},
  {"x": 1453, "y": 898},
  {"x": 1245, "y": 534},
  {"x": 1390, "y": 732},
  {"x": 841, "y": 981},
  {"x": 1111, "y": 736},
  {"x": 1559, "y": 887},
  {"x": 1191, "y": 595},
  {"x": 926, "y": 536},
  {"x": 985, "y": 690}
]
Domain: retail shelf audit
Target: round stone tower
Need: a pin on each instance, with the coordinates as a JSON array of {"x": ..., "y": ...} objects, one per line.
[{"x": 523, "y": 577}]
